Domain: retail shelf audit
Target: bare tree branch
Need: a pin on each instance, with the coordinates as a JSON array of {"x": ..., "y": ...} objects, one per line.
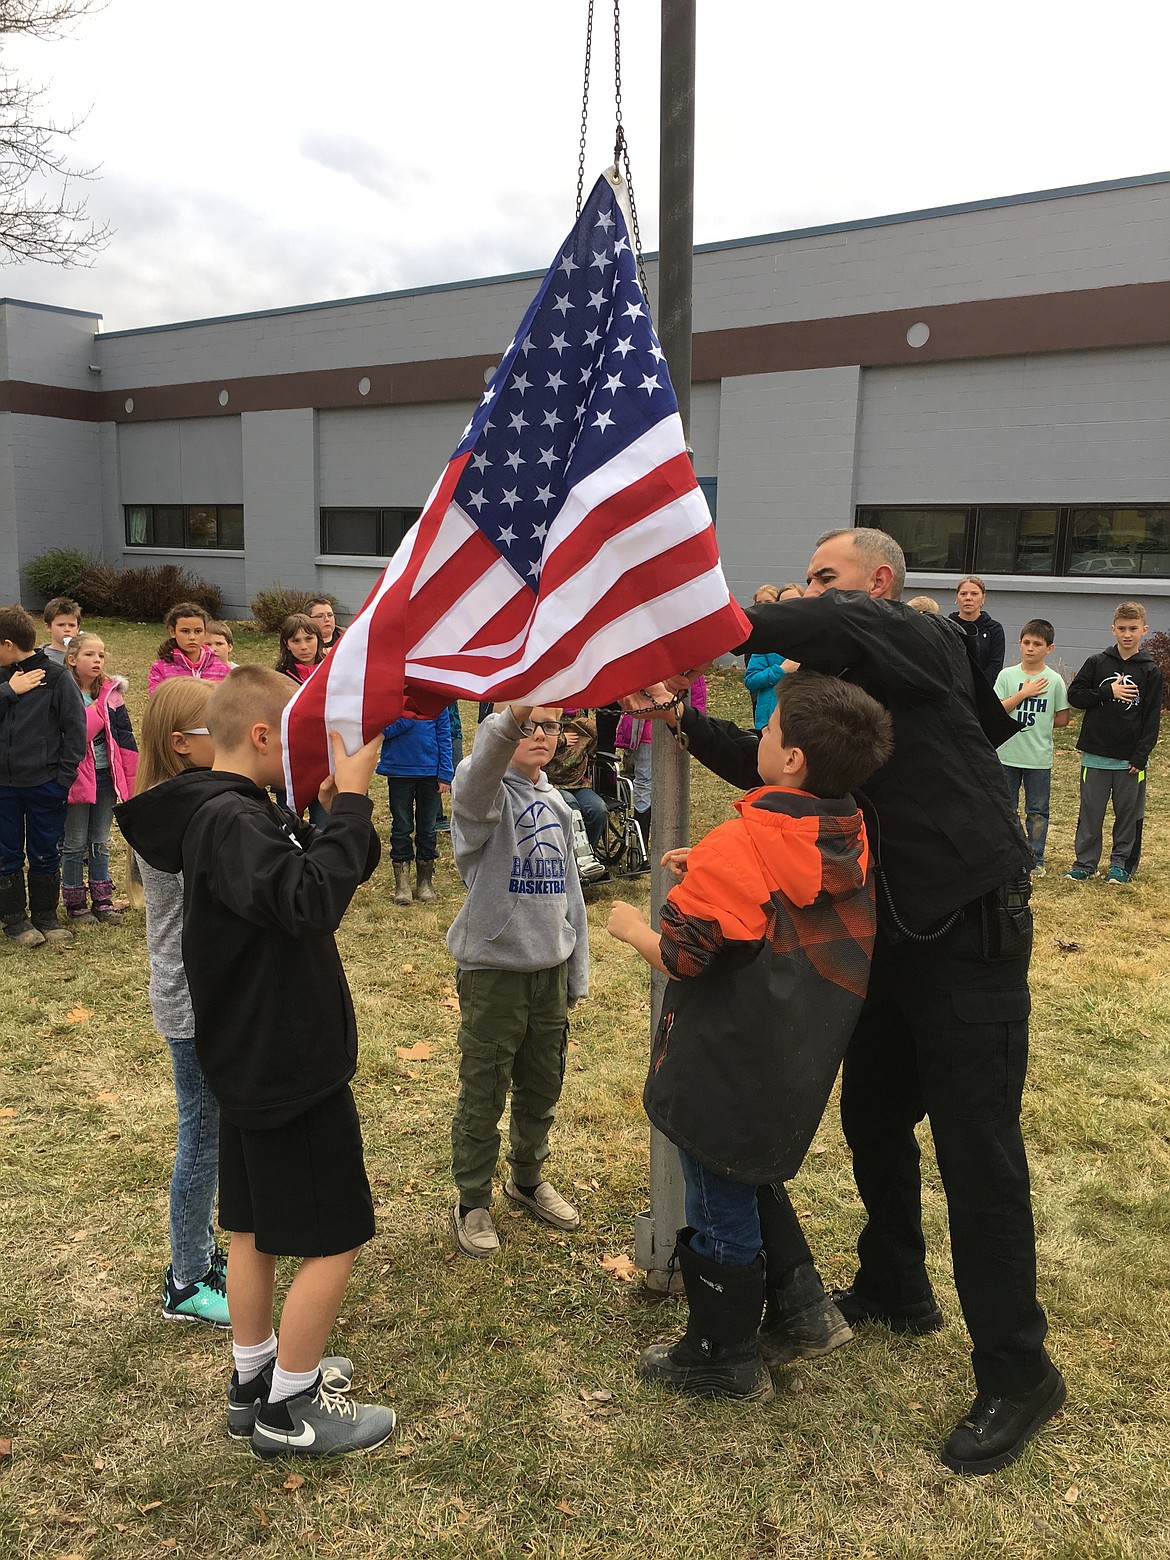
[{"x": 48, "y": 226}]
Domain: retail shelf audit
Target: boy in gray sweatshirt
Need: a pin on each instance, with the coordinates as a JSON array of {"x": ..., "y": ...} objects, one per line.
[{"x": 522, "y": 949}]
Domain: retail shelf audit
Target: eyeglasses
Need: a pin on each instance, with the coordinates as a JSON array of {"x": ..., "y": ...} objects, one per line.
[
  {"x": 550, "y": 727},
  {"x": 196, "y": 731}
]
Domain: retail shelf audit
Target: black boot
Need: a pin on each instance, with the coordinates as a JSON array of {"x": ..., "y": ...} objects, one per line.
[
  {"x": 17, "y": 926},
  {"x": 642, "y": 819},
  {"x": 44, "y": 895},
  {"x": 718, "y": 1355},
  {"x": 801, "y": 1322}
]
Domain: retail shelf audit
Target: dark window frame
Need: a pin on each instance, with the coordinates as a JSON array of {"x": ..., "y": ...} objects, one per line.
[
  {"x": 222, "y": 513},
  {"x": 1067, "y": 564},
  {"x": 391, "y": 523}
]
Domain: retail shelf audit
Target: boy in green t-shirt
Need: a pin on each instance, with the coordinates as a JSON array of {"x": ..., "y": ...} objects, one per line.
[{"x": 1036, "y": 695}]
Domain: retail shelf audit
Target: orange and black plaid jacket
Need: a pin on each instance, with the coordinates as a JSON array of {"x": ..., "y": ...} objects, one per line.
[{"x": 769, "y": 937}]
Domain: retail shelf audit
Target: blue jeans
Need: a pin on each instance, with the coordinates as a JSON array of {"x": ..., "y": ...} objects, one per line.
[
  {"x": 36, "y": 814},
  {"x": 724, "y": 1214},
  {"x": 196, "y": 1173},
  {"x": 414, "y": 812},
  {"x": 87, "y": 836},
  {"x": 642, "y": 764},
  {"x": 1037, "y": 784},
  {"x": 592, "y": 809}
]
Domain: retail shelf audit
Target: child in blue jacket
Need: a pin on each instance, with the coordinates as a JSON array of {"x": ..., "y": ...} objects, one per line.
[{"x": 416, "y": 760}]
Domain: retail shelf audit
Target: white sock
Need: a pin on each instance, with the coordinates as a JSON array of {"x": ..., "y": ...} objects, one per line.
[
  {"x": 251, "y": 1358},
  {"x": 287, "y": 1383}
]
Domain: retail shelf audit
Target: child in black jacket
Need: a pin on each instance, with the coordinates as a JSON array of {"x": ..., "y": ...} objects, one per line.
[
  {"x": 42, "y": 742},
  {"x": 1120, "y": 691},
  {"x": 276, "y": 1038}
]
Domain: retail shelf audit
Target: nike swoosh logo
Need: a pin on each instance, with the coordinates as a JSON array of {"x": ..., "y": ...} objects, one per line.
[{"x": 305, "y": 1437}]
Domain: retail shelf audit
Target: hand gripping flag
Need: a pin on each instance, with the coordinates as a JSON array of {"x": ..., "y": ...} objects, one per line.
[{"x": 566, "y": 554}]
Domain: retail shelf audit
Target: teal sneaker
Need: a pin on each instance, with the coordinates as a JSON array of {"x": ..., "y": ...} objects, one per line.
[
  {"x": 245, "y": 1400},
  {"x": 1079, "y": 874},
  {"x": 203, "y": 1301},
  {"x": 1117, "y": 875}
]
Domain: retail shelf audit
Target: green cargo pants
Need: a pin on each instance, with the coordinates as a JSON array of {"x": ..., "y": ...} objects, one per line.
[{"x": 514, "y": 1030}]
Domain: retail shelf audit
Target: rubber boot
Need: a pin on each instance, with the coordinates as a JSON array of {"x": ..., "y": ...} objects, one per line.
[
  {"x": 642, "y": 819},
  {"x": 44, "y": 893},
  {"x": 17, "y": 926},
  {"x": 101, "y": 891},
  {"x": 402, "y": 894},
  {"x": 424, "y": 881},
  {"x": 801, "y": 1322},
  {"x": 719, "y": 1354},
  {"x": 77, "y": 905}
]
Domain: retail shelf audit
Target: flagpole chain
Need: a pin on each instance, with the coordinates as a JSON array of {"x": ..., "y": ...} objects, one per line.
[
  {"x": 621, "y": 147},
  {"x": 584, "y": 110}
]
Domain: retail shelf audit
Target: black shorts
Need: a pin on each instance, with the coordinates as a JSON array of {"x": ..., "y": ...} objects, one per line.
[{"x": 300, "y": 1189}]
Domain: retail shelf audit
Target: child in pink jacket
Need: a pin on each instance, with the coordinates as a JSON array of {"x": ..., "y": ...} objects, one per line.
[
  {"x": 185, "y": 652},
  {"x": 105, "y": 776}
]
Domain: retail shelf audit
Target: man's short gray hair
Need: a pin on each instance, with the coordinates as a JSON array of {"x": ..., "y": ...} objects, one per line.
[{"x": 875, "y": 547}]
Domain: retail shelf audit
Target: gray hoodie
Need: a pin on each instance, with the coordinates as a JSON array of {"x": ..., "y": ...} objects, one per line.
[
  {"x": 513, "y": 844},
  {"x": 170, "y": 1001}
]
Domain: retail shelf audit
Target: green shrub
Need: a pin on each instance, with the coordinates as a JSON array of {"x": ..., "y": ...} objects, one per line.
[
  {"x": 270, "y": 607},
  {"x": 58, "y": 572},
  {"x": 144, "y": 595}
]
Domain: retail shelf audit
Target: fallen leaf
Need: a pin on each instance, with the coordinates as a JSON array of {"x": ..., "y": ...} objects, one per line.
[
  {"x": 818, "y": 1148},
  {"x": 98, "y": 1464},
  {"x": 152, "y": 1505},
  {"x": 5, "y": 1447},
  {"x": 106, "y": 1097},
  {"x": 422, "y": 1051},
  {"x": 78, "y": 1015},
  {"x": 913, "y": 1405},
  {"x": 1068, "y": 947},
  {"x": 293, "y": 1482},
  {"x": 600, "y": 1396},
  {"x": 1145, "y": 1034},
  {"x": 169, "y": 1543},
  {"x": 620, "y": 1266},
  {"x": 404, "y": 1449},
  {"x": 260, "y": 1512},
  {"x": 7, "y": 1113},
  {"x": 1071, "y": 1495},
  {"x": 563, "y": 1505},
  {"x": 79, "y": 1235},
  {"x": 407, "y": 969},
  {"x": 450, "y": 1002}
]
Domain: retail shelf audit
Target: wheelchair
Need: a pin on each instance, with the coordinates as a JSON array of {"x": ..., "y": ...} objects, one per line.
[{"x": 621, "y": 848}]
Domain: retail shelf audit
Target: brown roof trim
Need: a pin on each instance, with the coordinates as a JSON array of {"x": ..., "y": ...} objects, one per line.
[{"x": 1130, "y": 316}]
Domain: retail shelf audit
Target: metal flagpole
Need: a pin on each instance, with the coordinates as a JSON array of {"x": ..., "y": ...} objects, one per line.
[{"x": 655, "y": 1230}]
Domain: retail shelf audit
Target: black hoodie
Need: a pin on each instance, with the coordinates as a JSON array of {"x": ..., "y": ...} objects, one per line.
[
  {"x": 1115, "y": 728},
  {"x": 263, "y": 894}
]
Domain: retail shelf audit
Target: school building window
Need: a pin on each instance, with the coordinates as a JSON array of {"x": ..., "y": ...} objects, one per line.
[
  {"x": 1094, "y": 540},
  {"x": 196, "y": 526},
  {"x": 374, "y": 533}
]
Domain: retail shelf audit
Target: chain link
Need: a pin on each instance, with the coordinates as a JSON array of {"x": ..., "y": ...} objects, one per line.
[
  {"x": 584, "y": 110},
  {"x": 621, "y": 147}
]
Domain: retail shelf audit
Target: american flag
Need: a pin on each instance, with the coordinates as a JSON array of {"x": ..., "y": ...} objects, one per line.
[{"x": 566, "y": 555}]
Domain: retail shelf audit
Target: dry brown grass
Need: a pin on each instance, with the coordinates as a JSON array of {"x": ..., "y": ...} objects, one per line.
[{"x": 118, "y": 1446}]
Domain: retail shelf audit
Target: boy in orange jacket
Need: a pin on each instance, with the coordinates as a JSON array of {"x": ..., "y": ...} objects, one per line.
[{"x": 767, "y": 939}]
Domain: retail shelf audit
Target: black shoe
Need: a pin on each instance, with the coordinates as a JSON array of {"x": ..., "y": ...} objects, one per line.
[
  {"x": 719, "y": 1354},
  {"x": 919, "y": 1317},
  {"x": 997, "y": 1429},
  {"x": 818, "y": 1329}
]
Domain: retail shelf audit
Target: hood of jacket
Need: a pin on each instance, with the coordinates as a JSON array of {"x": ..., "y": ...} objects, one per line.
[
  {"x": 805, "y": 845},
  {"x": 155, "y": 822}
]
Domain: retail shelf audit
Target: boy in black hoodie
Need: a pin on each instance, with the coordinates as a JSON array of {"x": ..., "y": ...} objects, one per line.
[
  {"x": 1120, "y": 691},
  {"x": 42, "y": 741},
  {"x": 275, "y": 1034}
]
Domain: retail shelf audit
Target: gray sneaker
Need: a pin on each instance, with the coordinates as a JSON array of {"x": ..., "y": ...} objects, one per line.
[
  {"x": 244, "y": 1400},
  {"x": 475, "y": 1234},
  {"x": 546, "y": 1203},
  {"x": 320, "y": 1423}
]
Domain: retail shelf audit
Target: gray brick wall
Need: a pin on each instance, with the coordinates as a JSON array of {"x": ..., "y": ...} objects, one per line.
[
  {"x": 191, "y": 462},
  {"x": 786, "y": 452},
  {"x": 52, "y": 483},
  {"x": 280, "y": 498}
]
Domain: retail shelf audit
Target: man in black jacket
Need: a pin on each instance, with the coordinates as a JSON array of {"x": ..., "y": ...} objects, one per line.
[
  {"x": 42, "y": 742},
  {"x": 944, "y": 1029}
]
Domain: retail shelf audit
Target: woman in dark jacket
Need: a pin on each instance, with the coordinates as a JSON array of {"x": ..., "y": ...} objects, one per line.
[{"x": 984, "y": 630}]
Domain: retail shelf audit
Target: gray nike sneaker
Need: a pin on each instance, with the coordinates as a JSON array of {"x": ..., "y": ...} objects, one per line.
[
  {"x": 244, "y": 1400},
  {"x": 320, "y": 1423}
]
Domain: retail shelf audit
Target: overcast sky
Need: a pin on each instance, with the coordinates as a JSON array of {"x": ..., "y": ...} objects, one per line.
[{"x": 262, "y": 153}]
